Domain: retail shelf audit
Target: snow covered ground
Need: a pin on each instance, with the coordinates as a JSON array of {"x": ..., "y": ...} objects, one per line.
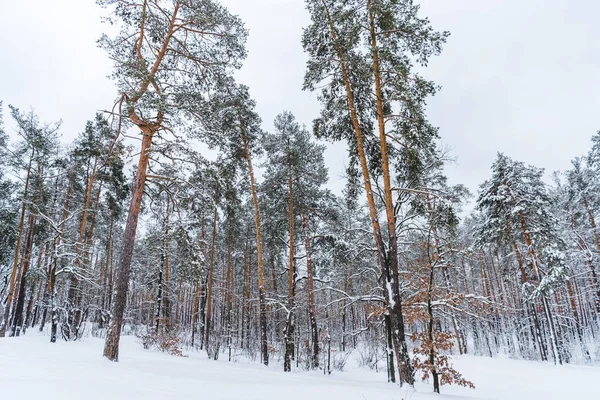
[{"x": 33, "y": 368}]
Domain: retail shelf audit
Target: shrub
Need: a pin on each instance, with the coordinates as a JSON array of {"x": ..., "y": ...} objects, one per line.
[{"x": 162, "y": 341}]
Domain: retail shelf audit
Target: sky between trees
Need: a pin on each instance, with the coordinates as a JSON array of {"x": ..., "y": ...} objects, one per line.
[{"x": 517, "y": 77}]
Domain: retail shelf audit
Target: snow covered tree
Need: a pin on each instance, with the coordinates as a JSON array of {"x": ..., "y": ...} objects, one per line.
[
  {"x": 295, "y": 172},
  {"x": 8, "y": 211},
  {"x": 517, "y": 212},
  {"x": 31, "y": 158},
  {"x": 433, "y": 286},
  {"x": 166, "y": 53},
  {"x": 231, "y": 122},
  {"x": 373, "y": 82}
]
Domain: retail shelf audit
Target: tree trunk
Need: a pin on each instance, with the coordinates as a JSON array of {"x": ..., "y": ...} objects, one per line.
[
  {"x": 310, "y": 287},
  {"x": 159, "y": 297},
  {"x": 13, "y": 274},
  {"x": 113, "y": 335},
  {"x": 434, "y": 374},
  {"x": 17, "y": 317},
  {"x": 166, "y": 306},
  {"x": 195, "y": 300},
  {"x": 209, "y": 293},
  {"x": 405, "y": 370},
  {"x": 289, "y": 326},
  {"x": 259, "y": 247},
  {"x": 394, "y": 305},
  {"x": 204, "y": 279},
  {"x": 52, "y": 290},
  {"x": 246, "y": 300},
  {"x": 74, "y": 289},
  {"x": 229, "y": 293},
  {"x": 554, "y": 343}
]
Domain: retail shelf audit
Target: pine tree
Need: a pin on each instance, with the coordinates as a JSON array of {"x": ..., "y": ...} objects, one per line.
[
  {"x": 8, "y": 211},
  {"x": 295, "y": 172},
  {"x": 374, "y": 82},
  {"x": 32, "y": 157},
  {"x": 231, "y": 122},
  {"x": 8, "y": 214},
  {"x": 581, "y": 201},
  {"x": 165, "y": 56},
  {"x": 517, "y": 212}
]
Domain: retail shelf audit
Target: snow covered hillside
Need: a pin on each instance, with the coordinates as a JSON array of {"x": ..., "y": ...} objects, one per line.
[{"x": 32, "y": 368}]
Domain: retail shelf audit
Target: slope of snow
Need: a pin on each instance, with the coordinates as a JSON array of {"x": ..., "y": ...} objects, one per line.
[{"x": 33, "y": 368}]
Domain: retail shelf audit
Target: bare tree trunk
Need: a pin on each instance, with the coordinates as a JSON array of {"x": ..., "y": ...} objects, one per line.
[
  {"x": 289, "y": 326},
  {"x": 33, "y": 292},
  {"x": 113, "y": 335},
  {"x": 195, "y": 300},
  {"x": 52, "y": 290},
  {"x": 198, "y": 291},
  {"x": 405, "y": 369},
  {"x": 209, "y": 294},
  {"x": 259, "y": 247},
  {"x": 430, "y": 321},
  {"x": 17, "y": 317},
  {"x": 80, "y": 261},
  {"x": 310, "y": 287},
  {"x": 166, "y": 304},
  {"x": 245, "y": 328},
  {"x": 202, "y": 313},
  {"x": 229, "y": 293},
  {"x": 159, "y": 299}
]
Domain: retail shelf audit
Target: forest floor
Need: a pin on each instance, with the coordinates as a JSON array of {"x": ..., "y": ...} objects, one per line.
[{"x": 33, "y": 368}]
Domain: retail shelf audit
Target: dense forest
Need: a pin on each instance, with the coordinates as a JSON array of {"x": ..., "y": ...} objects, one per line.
[{"x": 133, "y": 229}]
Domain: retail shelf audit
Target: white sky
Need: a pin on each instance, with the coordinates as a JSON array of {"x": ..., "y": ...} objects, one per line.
[{"x": 518, "y": 76}]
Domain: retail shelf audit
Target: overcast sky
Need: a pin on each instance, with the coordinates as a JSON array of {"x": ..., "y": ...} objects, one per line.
[{"x": 518, "y": 76}]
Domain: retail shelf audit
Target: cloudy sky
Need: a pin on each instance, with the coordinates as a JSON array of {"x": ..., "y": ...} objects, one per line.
[{"x": 518, "y": 76}]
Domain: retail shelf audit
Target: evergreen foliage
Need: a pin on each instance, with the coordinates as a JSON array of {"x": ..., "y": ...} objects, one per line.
[{"x": 245, "y": 250}]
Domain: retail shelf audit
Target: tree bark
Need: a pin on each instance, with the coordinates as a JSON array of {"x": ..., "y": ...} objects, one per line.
[
  {"x": 289, "y": 327},
  {"x": 209, "y": 293},
  {"x": 405, "y": 369},
  {"x": 74, "y": 289},
  {"x": 555, "y": 346},
  {"x": 229, "y": 293},
  {"x": 113, "y": 335},
  {"x": 245, "y": 328},
  {"x": 13, "y": 274},
  {"x": 17, "y": 317},
  {"x": 166, "y": 306},
  {"x": 310, "y": 287},
  {"x": 259, "y": 247}
]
